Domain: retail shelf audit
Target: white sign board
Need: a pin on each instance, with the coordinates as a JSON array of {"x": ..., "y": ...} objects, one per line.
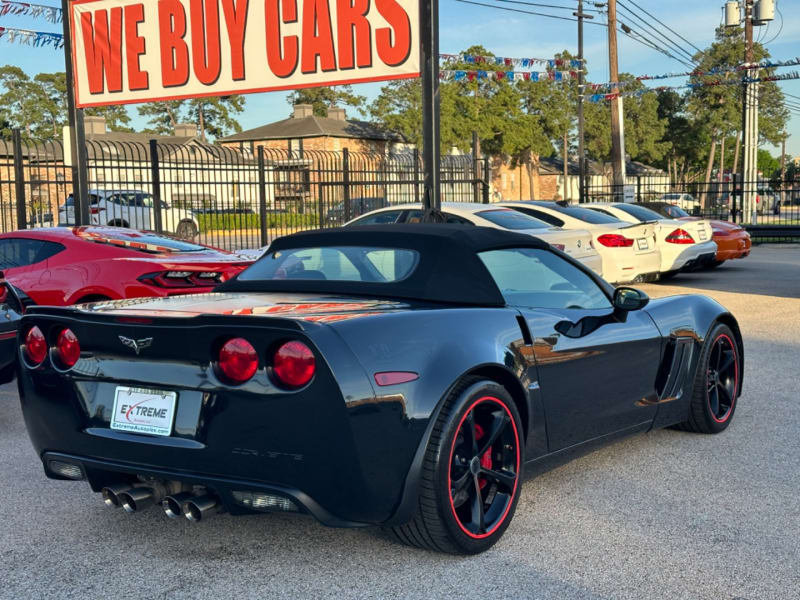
[
  {"x": 127, "y": 51},
  {"x": 629, "y": 193}
]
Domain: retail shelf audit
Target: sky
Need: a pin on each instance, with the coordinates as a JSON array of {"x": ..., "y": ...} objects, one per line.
[{"x": 514, "y": 35}]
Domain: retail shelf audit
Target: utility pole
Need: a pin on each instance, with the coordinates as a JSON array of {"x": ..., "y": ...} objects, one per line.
[
  {"x": 617, "y": 121},
  {"x": 748, "y": 170},
  {"x": 431, "y": 152},
  {"x": 581, "y": 94},
  {"x": 80, "y": 170},
  {"x": 783, "y": 168}
]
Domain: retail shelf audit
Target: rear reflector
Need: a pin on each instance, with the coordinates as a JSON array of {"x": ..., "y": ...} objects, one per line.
[
  {"x": 35, "y": 346},
  {"x": 64, "y": 469},
  {"x": 680, "y": 236},
  {"x": 395, "y": 377},
  {"x": 238, "y": 360},
  {"x": 260, "y": 501},
  {"x": 294, "y": 364},
  {"x": 615, "y": 240},
  {"x": 68, "y": 349}
]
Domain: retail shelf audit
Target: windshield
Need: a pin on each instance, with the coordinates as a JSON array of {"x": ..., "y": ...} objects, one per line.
[
  {"x": 585, "y": 214},
  {"x": 141, "y": 241},
  {"x": 640, "y": 212},
  {"x": 511, "y": 219},
  {"x": 335, "y": 263}
]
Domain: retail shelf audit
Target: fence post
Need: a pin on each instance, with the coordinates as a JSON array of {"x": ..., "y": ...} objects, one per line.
[
  {"x": 732, "y": 197},
  {"x": 346, "y": 183},
  {"x": 486, "y": 180},
  {"x": 19, "y": 181},
  {"x": 416, "y": 175},
  {"x": 320, "y": 196},
  {"x": 155, "y": 173},
  {"x": 475, "y": 163},
  {"x": 638, "y": 188},
  {"x": 262, "y": 196}
]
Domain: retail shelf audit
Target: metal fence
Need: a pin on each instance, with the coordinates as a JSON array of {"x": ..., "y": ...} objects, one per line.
[
  {"x": 225, "y": 197},
  {"x": 769, "y": 210}
]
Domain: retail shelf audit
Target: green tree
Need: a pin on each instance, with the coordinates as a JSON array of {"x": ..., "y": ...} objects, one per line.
[
  {"x": 767, "y": 164},
  {"x": 321, "y": 98},
  {"x": 216, "y": 115},
  {"x": 52, "y": 91},
  {"x": 163, "y": 116},
  {"x": 117, "y": 117},
  {"x": 19, "y": 101},
  {"x": 644, "y": 127}
]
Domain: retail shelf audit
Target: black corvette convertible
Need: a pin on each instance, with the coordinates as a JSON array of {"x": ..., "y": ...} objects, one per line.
[{"x": 403, "y": 377}]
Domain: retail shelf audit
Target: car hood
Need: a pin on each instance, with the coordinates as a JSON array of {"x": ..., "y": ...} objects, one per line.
[{"x": 307, "y": 307}]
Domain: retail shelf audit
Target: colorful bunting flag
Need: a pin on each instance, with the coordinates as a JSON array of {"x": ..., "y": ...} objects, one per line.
[
  {"x": 31, "y": 38},
  {"x": 49, "y": 13}
]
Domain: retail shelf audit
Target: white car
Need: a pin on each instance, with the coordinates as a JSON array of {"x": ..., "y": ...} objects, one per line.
[
  {"x": 576, "y": 243},
  {"x": 131, "y": 208},
  {"x": 683, "y": 245},
  {"x": 685, "y": 201},
  {"x": 629, "y": 252}
]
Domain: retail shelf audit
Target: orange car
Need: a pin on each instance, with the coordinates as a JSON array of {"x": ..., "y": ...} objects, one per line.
[{"x": 732, "y": 240}]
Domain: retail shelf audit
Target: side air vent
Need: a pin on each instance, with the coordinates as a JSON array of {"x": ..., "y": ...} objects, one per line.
[{"x": 671, "y": 378}]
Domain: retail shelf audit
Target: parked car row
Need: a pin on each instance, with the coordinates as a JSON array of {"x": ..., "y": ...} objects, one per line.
[{"x": 621, "y": 242}]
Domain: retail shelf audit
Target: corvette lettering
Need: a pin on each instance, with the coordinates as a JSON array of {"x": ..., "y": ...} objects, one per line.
[{"x": 135, "y": 51}]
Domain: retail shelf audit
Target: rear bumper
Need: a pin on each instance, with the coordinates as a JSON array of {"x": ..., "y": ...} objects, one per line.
[
  {"x": 691, "y": 257},
  {"x": 730, "y": 247},
  {"x": 624, "y": 266},
  {"x": 594, "y": 262},
  {"x": 101, "y": 473}
]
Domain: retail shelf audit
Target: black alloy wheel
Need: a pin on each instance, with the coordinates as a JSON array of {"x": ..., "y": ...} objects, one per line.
[
  {"x": 470, "y": 481},
  {"x": 717, "y": 383},
  {"x": 722, "y": 379}
]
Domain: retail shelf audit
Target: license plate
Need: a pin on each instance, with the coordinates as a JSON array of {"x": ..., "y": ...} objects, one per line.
[
  {"x": 642, "y": 244},
  {"x": 143, "y": 411}
]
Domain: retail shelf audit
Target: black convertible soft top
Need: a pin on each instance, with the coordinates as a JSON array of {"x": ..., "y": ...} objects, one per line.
[{"x": 449, "y": 269}]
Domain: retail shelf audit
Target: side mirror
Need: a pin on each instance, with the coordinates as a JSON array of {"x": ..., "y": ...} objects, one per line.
[{"x": 627, "y": 299}]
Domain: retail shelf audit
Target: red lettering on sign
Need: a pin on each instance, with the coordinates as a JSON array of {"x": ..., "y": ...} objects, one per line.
[
  {"x": 317, "y": 37},
  {"x": 235, "y": 12},
  {"x": 393, "y": 52},
  {"x": 354, "y": 31},
  {"x": 206, "y": 58},
  {"x": 174, "y": 51},
  {"x": 134, "y": 47},
  {"x": 103, "y": 48},
  {"x": 282, "y": 58}
]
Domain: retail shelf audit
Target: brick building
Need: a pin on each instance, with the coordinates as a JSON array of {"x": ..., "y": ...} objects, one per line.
[{"x": 305, "y": 130}]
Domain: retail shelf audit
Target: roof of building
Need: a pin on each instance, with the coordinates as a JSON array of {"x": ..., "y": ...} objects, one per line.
[
  {"x": 555, "y": 166},
  {"x": 313, "y": 126}
]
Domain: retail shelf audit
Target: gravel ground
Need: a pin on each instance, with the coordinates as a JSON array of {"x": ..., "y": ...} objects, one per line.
[{"x": 664, "y": 515}]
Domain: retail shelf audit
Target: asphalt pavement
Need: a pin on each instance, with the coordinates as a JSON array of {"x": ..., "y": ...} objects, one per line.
[{"x": 663, "y": 515}]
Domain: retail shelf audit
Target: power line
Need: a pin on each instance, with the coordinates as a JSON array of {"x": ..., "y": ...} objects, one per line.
[
  {"x": 526, "y": 12},
  {"x": 572, "y": 8},
  {"x": 665, "y": 25},
  {"x": 670, "y": 44},
  {"x": 637, "y": 37}
]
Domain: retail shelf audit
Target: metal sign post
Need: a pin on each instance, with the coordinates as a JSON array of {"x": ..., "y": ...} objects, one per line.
[
  {"x": 80, "y": 167},
  {"x": 431, "y": 151}
]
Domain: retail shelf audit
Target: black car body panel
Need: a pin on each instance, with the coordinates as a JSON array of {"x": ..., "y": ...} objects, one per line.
[{"x": 344, "y": 448}]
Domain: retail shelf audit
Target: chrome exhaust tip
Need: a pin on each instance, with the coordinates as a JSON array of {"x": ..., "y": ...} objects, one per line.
[
  {"x": 200, "y": 507},
  {"x": 173, "y": 505},
  {"x": 136, "y": 499},
  {"x": 111, "y": 494}
]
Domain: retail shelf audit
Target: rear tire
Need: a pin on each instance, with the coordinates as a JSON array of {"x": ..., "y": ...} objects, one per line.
[
  {"x": 470, "y": 481},
  {"x": 717, "y": 382}
]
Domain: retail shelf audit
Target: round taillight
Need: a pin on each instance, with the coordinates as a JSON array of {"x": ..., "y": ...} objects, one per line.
[
  {"x": 294, "y": 364},
  {"x": 35, "y": 346},
  {"x": 238, "y": 360},
  {"x": 68, "y": 349}
]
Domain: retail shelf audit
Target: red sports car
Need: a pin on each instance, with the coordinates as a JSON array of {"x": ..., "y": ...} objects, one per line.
[{"x": 68, "y": 265}]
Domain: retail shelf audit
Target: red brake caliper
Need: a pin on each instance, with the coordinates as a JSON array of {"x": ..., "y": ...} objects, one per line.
[{"x": 486, "y": 459}]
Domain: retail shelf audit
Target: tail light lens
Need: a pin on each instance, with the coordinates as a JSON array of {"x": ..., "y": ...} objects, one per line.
[
  {"x": 35, "y": 346},
  {"x": 182, "y": 279},
  {"x": 680, "y": 236},
  {"x": 717, "y": 233},
  {"x": 615, "y": 240},
  {"x": 3, "y": 291},
  {"x": 294, "y": 364},
  {"x": 68, "y": 349},
  {"x": 558, "y": 246},
  {"x": 238, "y": 360}
]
